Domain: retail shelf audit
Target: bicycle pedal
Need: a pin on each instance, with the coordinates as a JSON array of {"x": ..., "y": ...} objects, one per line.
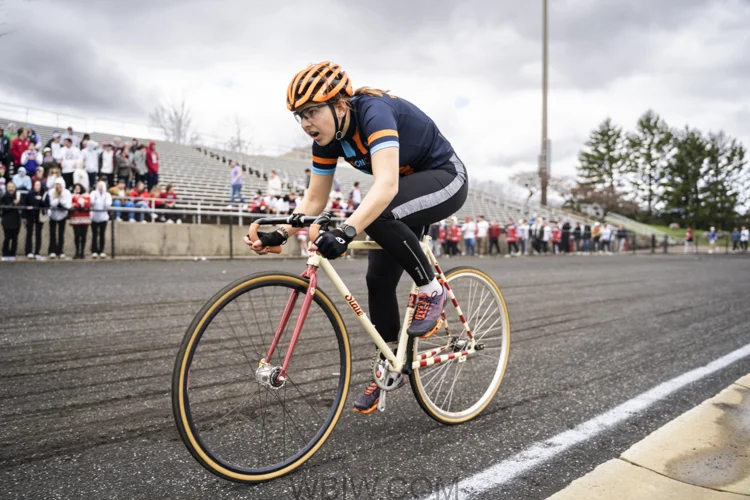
[{"x": 381, "y": 401}]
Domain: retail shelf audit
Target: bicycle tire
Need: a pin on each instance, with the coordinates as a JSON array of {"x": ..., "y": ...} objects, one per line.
[
  {"x": 180, "y": 379},
  {"x": 415, "y": 380}
]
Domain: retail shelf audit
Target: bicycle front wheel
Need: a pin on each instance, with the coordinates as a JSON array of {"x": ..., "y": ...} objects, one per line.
[
  {"x": 236, "y": 426},
  {"x": 459, "y": 389}
]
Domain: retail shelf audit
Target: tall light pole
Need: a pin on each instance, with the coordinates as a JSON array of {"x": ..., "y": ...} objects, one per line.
[{"x": 543, "y": 174}]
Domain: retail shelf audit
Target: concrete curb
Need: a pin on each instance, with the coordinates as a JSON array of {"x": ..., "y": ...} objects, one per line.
[{"x": 704, "y": 454}]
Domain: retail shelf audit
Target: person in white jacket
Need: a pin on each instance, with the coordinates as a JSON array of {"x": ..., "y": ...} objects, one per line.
[
  {"x": 80, "y": 176},
  {"x": 546, "y": 236},
  {"x": 107, "y": 169},
  {"x": 60, "y": 201},
  {"x": 607, "y": 238},
  {"x": 523, "y": 237},
  {"x": 56, "y": 146},
  {"x": 101, "y": 202},
  {"x": 274, "y": 184},
  {"x": 70, "y": 159},
  {"x": 90, "y": 153},
  {"x": 52, "y": 177}
]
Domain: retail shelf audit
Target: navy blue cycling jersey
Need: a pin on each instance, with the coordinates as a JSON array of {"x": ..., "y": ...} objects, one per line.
[{"x": 385, "y": 122}]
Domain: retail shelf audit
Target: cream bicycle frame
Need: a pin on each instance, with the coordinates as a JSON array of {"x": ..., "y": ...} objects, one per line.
[{"x": 397, "y": 362}]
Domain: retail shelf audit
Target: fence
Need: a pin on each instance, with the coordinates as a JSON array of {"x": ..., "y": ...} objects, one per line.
[{"x": 224, "y": 237}]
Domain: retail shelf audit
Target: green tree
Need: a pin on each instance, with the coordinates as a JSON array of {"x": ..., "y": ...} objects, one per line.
[
  {"x": 723, "y": 179},
  {"x": 650, "y": 149},
  {"x": 683, "y": 193},
  {"x": 603, "y": 164}
]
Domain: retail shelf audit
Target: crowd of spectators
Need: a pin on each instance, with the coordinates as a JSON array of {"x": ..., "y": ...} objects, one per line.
[
  {"x": 479, "y": 237},
  {"x": 76, "y": 180}
]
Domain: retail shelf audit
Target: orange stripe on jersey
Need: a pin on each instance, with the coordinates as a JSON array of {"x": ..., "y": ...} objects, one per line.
[
  {"x": 381, "y": 133},
  {"x": 405, "y": 170},
  {"x": 358, "y": 142},
  {"x": 325, "y": 161}
]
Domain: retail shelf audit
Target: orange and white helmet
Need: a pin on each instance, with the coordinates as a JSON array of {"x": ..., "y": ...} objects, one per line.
[{"x": 317, "y": 83}]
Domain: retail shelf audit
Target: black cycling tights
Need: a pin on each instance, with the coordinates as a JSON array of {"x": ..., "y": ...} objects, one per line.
[{"x": 423, "y": 198}]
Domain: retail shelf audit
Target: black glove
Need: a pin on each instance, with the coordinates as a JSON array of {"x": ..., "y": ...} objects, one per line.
[
  {"x": 297, "y": 220},
  {"x": 332, "y": 244},
  {"x": 271, "y": 239}
]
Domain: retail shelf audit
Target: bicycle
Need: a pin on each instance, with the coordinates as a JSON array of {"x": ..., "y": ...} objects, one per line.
[{"x": 227, "y": 392}]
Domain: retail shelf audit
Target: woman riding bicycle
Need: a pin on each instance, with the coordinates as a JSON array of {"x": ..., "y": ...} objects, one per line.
[{"x": 418, "y": 180}]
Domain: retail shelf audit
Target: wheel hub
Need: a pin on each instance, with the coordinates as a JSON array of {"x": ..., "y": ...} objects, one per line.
[{"x": 270, "y": 376}]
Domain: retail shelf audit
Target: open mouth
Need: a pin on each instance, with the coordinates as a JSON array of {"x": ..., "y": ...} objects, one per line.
[{"x": 314, "y": 135}]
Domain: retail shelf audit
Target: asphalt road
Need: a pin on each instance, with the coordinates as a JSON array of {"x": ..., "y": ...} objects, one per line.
[{"x": 87, "y": 349}]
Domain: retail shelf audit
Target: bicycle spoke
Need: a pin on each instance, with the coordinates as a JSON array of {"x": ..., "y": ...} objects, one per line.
[
  {"x": 249, "y": 336},
  {"x": 273, "y": 393},
  {"x": 450, "y": 391},
  {"x": 304, "y": 396},
  {"x": 249, "y": 363},
  {"x": 247, "y": 329},
  {"x": 479, "y": 327},
  {"x": 242, "y": 403},
  {"x": 437, "y": 371},
  {"x": 471, "y": 295},
  {"x": 442, "y": 379},
  {"x": 479, "y": 308}
]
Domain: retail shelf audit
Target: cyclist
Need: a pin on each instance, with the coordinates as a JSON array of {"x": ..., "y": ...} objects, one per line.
[{"x": 418, "y": 180}]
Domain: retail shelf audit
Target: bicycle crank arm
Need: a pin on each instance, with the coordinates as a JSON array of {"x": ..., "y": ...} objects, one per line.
[{"x": 381, "y": 401}]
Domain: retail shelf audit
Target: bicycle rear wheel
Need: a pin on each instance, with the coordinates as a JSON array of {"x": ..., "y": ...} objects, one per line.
[
  {"x": 233, "y": 424},
  {"x": 457, "y": 390}
]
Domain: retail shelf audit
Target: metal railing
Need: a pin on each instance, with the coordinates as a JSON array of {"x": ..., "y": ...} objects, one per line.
[
  {"x": 232, "y": 219},
  {"x": 634, "y": 242},
  {"x": 617, "y": 219}
]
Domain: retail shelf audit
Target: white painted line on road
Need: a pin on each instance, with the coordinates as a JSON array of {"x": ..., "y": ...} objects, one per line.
[{"x": 538, "y": 453}]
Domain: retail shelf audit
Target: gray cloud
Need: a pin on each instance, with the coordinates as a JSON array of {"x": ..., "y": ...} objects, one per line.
[
  {"x": 96, "y": 58},
  {"x": 57, "y": 64}
]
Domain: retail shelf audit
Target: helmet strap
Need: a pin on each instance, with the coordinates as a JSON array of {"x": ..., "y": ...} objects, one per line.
[{"x": 338, "y": 126}]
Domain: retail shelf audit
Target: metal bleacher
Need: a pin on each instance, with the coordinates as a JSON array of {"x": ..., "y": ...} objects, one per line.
[{"x": 201, "y": 177}]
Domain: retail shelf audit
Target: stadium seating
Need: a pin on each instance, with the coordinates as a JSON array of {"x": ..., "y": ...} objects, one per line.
[{"x": 201, "y": 177}]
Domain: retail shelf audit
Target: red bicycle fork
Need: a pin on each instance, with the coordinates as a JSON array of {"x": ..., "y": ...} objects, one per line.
[{"x": 312, "y": 274}]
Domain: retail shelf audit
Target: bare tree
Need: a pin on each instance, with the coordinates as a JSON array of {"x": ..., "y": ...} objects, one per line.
[
  {"x": 563, "y": 186},
  {"x": 240, "y": 141},
  {"x": 529, "y": 180},
  {"x": 175, "y": 121}
]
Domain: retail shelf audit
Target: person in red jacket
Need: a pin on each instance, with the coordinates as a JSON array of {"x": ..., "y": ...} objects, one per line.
[
  {"x": 140, "y": 199},
  {"x": 443, "y": 242},
  {"x": 80, "y": 218},
  {"x": 156, "y": 201},
  {"x": 170, "y": 198},
  {"x": 511, "y": 238},
  {"x": 494, "y": 234},
  {"x": 556, "y": 238},
  {"x": 19, "y": 145},
  {"x": 152, "y": 164},
  {"x": 454, "y": 236},
  {"x": 258, "y": 204}
]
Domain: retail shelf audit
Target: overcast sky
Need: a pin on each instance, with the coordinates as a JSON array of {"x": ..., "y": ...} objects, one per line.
[{"x": 473, "y": 66}]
